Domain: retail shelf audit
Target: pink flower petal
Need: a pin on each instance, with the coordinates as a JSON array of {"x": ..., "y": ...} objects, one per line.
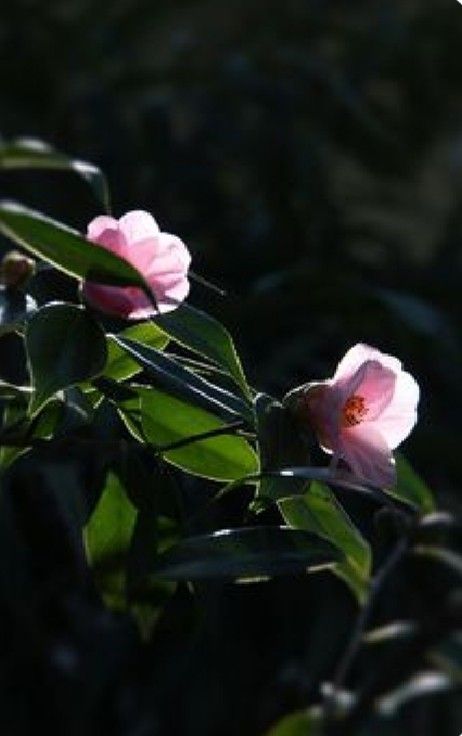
[
  {"x": 109, "y": 299},
  {"x": 368, "y": 455},
  {"x": 162, "y": 259},
  {"x": 173, "y": 296},
  {"x": 399, "y": 417},
  {"x": 138, "y": 225},
  {"x": 173, "y": 255},
  {"x": 376, "y": 388},
  {"x": 99, "y": 225},
  {"x": 360, "y": 354},
  {"x": 104, "y": 231}
]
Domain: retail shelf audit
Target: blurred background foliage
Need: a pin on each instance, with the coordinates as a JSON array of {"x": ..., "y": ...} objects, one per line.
[{"x": 310, "y": 153}]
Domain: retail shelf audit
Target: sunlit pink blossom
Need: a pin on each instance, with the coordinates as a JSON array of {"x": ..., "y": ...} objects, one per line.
[
  {"x": 363, "y": 413},
  {"x": 161, "y": 258}
]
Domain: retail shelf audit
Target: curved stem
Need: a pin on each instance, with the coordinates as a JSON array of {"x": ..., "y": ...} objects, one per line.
[{"x": 362, "y": 620}]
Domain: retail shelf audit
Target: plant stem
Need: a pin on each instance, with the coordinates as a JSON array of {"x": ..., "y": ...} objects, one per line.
[
  {"x": 362, "y": 620},
  {"x": 23, "y": 442},
  {"x": 218, "y": 431}
]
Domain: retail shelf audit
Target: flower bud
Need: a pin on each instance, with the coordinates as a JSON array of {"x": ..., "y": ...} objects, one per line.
[{"x": 16, "y": 269}]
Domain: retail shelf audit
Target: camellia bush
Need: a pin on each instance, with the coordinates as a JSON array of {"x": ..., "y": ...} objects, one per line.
[{"x": 130, "y": 379}]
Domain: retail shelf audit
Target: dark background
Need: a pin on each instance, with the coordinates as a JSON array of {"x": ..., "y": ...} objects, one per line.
[{"x": 310, "y": 154}]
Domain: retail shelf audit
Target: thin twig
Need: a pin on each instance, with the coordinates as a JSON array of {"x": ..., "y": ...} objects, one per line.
[
  {"x": 364, "y": 614},
  {"x": 22, "y": 442},
  {"x": 218, "y": 431}
]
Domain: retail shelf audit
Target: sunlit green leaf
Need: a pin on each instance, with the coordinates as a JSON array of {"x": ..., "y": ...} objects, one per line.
[
  {"x": 120, "y": 365},
  {"x": 301, "y": 723},
  {"x": 108, "y": 537},
  {"x": 167, "y": 419},
  {"x": 410, "y": 488},
  {"x": 318, "y": 511}
]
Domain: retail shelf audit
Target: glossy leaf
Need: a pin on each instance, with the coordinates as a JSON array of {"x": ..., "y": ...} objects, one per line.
[
  {"x": 410, "y": 488},
  {"x": 120, "y": 365},
  {"x": 395, "y": 631},
  {"x": 183, "y": 383},
  {"x": 30, "y": 153},
  {"x": 318, "y": 511},
  {"x": 108, "y": 537},
  {"x": 15, "y": 307},
  {"x": 245, "y": 554},
  {"x": 203, "y": 334},
  {"x": 167, "y": 419},
  {"x": 445, "y": 556},
  {"x": 64, "y": 346},
  {"x": 420, "y": 685},
  {"x": 65, "y": 248},
  {"x": 280, "y": 445}
]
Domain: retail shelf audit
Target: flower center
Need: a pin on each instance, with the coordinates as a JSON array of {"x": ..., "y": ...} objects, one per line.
[{"x": 353, "y": 412}]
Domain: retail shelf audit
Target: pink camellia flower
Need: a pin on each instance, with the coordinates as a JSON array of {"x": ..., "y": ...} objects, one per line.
[
  {"x": 161, "y": 258},
  {"x": 363, "y": 413}
]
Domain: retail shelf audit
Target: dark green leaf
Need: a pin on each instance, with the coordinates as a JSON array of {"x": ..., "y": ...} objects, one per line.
[
  {"x": 183, "y": 383},
  {"x": 29, "y": 153},
  {"x": 319, "y": 511},
  {"x": 280, "y": 445},
  {"x": 445, "y": 556},
  {"x": 339, "y": 479},
  {"x": 64, "y": 346},
  {"x": 167, "y": 419},
  {"x": 420, "y": 685},
  {"x": 10, "y": 391},
  {"x": 245, "y": 554},
  {"x": 66, "y": 248},
  {"x": 203, "y": 334},
  {"x": 15, "y": 307},
  {"x": 396, "y": 631}
]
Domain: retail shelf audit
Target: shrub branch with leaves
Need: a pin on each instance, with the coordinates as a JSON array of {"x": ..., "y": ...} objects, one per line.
[{"x": 176, "y": 383}]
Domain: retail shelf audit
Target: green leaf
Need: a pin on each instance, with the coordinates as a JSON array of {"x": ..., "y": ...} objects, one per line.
[
  {"x": 30, "y": 153},
  {"x": 280, "y": 445},
  {"x": 66, "y": 248},
  {"x": 120, "y": 365},
  {"x": 245, "y": 554},
  {"x": 319, "y": 511},
  {"x": 108, "y": 537},
  {"x": 203, "y": 334},
  {"x": 182, "y": 382},
  {"x": 15, "y": 307},
  {"x": 10, "y": 391},
  {"x": 445, "y": 556},
  {"x": 395, "y": 631},
  {"x": 301, "y": 723},
  {"x": 167, "y": 419},
  {"x": 64, "y": 346},
  {"x": 420, "y": 685},
  {"x": 410, "y": 488}
]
